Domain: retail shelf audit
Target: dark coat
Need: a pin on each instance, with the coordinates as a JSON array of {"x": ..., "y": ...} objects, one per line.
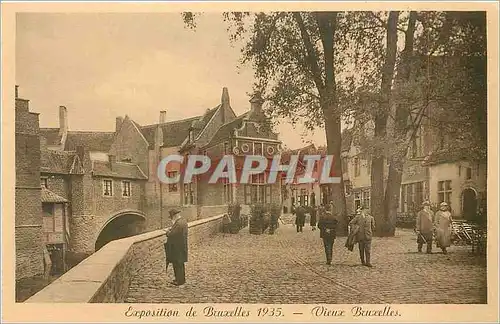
[
  {"x": 327, "y": 227},
  {"x": 300, "y": 218},
  {"x": 313, "y": 214},
  {"x": 176, "y": 247}
]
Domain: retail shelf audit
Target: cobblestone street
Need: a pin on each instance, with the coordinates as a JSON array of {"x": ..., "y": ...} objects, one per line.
[{"x": 289, "y": 267}]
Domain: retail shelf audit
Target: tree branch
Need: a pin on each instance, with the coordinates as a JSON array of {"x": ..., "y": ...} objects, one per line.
[{"x": 311, "y": 57}]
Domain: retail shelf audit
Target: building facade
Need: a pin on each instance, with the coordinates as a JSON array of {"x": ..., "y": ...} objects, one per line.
[
  {"x": 29, "y": 236},
  {"x": 102, "y": 186}
]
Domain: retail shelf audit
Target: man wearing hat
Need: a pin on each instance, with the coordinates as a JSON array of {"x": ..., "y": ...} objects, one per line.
[
  {"x": 366, "y": 227},
  {"x": 176, "y": 247},
  {"x": 327, "y": 231},
  {"x": 424, "y": 227}
]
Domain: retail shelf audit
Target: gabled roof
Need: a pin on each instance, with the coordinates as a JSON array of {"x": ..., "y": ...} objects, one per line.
[
  {"x": 60, "y": 162},
  {"x": 226, "y": 130},
  {"x": 91, "y": 141},
  {"x": 48, "y": 196},
  {"x": 175, "y": 132},
  {"x": 51, "y": 136},
  {"x": 449, "y": 156},
  {"x": 121, "y": 170}
]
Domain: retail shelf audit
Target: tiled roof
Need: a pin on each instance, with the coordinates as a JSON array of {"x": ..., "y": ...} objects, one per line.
[
  {"x": 51, "y": 136},
  {"x": 48, "y": 196},
  {"x": 226, "y": 130},
  {"x": 119, "y": 170},
  {"x": 61, "y": 162},
  {"x": 174, "y": 133},
  {"x": 447, "y": 156},
  {"x": 91, "y": 141}
]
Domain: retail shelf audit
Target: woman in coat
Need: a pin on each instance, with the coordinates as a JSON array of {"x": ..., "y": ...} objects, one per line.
[{"x": 442, "y": 224}]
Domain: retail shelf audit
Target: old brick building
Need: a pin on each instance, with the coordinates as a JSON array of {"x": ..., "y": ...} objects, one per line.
[
  {"x": 28, "y": 208},
  {"x": 107, "y": 182}
]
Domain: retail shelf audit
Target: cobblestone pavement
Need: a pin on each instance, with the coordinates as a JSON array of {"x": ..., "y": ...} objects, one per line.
[{"x": 289, "y": 267}]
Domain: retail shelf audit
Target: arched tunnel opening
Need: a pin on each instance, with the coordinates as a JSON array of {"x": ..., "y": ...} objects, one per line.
[{"x": 122, "y": 226}]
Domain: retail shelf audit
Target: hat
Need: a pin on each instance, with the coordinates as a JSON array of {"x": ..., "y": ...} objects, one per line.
[
  {"x": 173, "y": 212},
  {"x": 426, "y": 203},
  {"x": 444, "y": 203}
]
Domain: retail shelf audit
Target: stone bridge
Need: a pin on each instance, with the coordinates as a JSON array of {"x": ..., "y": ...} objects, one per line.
[{"x": 286, "y": 267}]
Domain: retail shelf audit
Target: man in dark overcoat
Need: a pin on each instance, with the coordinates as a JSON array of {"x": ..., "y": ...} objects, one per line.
[
  {"x": 176, "y": 247},
  {"x": 327, "y": 225},
  {"x": 300, "y": 218}
]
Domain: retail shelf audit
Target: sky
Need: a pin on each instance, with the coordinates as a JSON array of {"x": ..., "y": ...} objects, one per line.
[{"x": 105, "y": 65}]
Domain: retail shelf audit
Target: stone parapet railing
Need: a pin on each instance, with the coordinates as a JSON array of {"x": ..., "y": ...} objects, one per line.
[{"x": 105, "y": 276}]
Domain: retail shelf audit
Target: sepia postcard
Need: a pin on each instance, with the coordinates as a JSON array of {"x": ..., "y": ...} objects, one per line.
[{"x": 250, "y": 162}]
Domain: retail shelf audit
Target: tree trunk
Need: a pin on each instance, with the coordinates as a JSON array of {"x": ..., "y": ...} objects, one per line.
[
  {"x": 383, "y": 226},
  {"x": 327, "y": 24},
  {"x": 395, "y": 176}
]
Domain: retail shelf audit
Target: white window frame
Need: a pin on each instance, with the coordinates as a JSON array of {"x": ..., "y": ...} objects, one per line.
[
  {"x": 124, "y": 182},
  {"x": 104, "y": 187}
]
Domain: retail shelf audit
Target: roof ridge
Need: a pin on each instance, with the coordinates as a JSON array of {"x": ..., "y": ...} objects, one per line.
[
  {"x": 90, "y": 132},
  {"x": 172, "y": 122}
]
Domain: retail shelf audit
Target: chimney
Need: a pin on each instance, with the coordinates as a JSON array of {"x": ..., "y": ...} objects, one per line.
[
  {"x": 80, "y": 151},
  {"x": 112, "y": 161},
  {"x": 17, "y": 91},
  {"x": 63, "y": 120},
  {"x": 119, "y": 121},
  {"x": 163, "y": 116},
  {"x": 256, "y": 102}
]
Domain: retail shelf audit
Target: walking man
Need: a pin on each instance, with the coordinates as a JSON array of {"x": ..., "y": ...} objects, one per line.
[
  {"x": 424, "y": 227},
  {"x": 300, "y": 218},
  {"x": 176, "y": 247},
  {"x": 327, "y": 231},
  {"x": 366, "y": 226}
]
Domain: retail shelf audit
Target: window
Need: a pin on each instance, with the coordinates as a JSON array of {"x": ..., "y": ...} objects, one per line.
[
  {"x": 412, "y": 196},
  {"x": 258, "y": 148},
  {"x": 368, "y": 166},
  {"x": 357, "y": 200},
  {"x": 366, "y": 197},
  {"x": 172, "y": 187},
  {"x": 227, "y": 190},
  {"x": 356, "y": 167},
  {"x": 226, "y": 148},
  {"x": 48, "y": 210},
  {"x": 257, "y": 190},
  {"x": 444, "y": 191},
  {"x": 304, "y": 197},
  {"x": 107, "y": 187},
  {"x": 468, "y": 174},
  {"x": 126, "y": 189},
  {"x": 188, "y": 194},
  {"x": 44, "y": 183}
]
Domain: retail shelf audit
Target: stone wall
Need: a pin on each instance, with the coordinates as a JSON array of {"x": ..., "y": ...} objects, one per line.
[{"x": 105, "y": 276}]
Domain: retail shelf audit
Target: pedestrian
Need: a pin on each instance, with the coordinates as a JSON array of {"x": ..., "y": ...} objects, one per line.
[
  {"x": 424, "y": 227},
  {"x": 313, "y": 212},
  {"x": 300, "y": 218},
  {"x": 327, "y": 225},
  {"x": 443, "y": 226},
  {"x": 366, "y": 225},
  {"x": 176, "y": 247}
]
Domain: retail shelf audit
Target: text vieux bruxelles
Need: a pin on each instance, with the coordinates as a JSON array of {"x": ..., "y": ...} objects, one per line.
[{"x": 253, "y": 164}]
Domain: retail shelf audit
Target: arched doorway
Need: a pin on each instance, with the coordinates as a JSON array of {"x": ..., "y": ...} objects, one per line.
[
  {"x": 120, "y": 226},
  {"x": 469, "y": 204}
]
